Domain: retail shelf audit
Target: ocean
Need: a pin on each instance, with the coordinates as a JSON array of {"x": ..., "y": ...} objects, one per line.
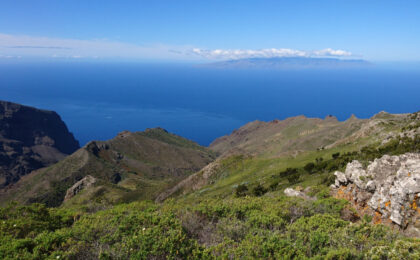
[{"x": 98, "y": 100}]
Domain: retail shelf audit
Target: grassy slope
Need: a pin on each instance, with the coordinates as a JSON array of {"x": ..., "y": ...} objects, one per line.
[{"x": 277, "y": 138}]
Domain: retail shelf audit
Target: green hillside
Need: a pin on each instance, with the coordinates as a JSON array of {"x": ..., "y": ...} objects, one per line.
[{"x": 233, "y": 208}]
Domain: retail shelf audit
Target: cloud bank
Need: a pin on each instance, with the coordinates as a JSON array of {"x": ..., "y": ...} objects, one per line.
[
  {"x": 23, "y": 46},
  {"x": 267, "y": 53}
]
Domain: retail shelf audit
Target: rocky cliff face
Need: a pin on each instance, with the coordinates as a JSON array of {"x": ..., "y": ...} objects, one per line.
[
  {"x": 30, "y": 139},
  {"x": 388, "y": 189}
]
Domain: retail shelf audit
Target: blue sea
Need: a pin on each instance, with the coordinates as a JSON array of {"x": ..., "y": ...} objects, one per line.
[{"x": 98, "y": 100}]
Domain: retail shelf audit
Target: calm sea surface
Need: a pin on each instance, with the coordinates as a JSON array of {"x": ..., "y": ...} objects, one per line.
[{"x": 99, "y": 100}]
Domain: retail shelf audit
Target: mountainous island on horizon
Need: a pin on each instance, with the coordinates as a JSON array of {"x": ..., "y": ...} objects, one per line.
[{"x": 289, "y": 63}]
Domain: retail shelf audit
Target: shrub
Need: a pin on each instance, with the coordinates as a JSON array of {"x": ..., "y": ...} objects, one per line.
[
  {"x": 335, "y": 155},
  {"x": 273, "y": 186},
  {"x": 329, "y": 205},
  {"x": 241, "y": 190},
  {"x": 313, "y": 234},
  {"x": 294, "y": 178},
  {"x": 327, "y": 179},
  {"x": 288, "y": 172},
  {"x": 341, "y": 254},
  {"x": 309, "y": 167},
  {"x": 259, "y": 190}
]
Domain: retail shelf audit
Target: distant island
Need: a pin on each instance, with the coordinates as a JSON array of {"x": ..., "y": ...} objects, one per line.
[{"x": 289, "y": 63}]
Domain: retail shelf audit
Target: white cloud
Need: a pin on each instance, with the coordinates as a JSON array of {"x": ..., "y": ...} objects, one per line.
[
  {"x": 331, "y": 52},
  {"x": 240, "y": 54},
  {"x": 267, "y": 53},
  {"x": 13, "y": 46}
]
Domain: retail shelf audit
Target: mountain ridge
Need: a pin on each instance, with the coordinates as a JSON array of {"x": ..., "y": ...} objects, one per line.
[{"x": 124, "y": 165}]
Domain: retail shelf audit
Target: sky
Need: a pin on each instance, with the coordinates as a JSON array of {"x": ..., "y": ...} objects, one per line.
[{"x": 180, "y": 30}]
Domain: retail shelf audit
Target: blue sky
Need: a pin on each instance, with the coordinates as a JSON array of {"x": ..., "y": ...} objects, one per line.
[{"x": 205, "y": 30}]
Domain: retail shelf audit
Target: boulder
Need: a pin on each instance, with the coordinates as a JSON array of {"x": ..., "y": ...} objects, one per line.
[
  {"x": 298, "y": 192},
  {"x": 290, "y": 192}
]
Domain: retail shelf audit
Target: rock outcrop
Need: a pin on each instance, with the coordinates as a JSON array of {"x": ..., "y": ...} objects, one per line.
[
  {"x": 79, "y": 186},
  {"x": 30, "y": 139},
  {"x": 388, "y": 189}
]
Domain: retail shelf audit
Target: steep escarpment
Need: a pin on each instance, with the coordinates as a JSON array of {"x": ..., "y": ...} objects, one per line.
[
  {"x": 132, "y": 166},
  {"x": 30, "y": 138},
  {"x": 388, "y": 189}
]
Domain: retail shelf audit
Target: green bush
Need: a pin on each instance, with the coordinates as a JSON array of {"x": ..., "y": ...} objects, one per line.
[
  {"x": 309, "y": 167},
  {"x": 268, "y": 227},
  {"x": 335, "y": 155},
  {"x": 259, "y": 190},
  {"x": 293, "y": 178},
  {"x": 241, "y": 190},
  {"x": 288, "y": 172}
]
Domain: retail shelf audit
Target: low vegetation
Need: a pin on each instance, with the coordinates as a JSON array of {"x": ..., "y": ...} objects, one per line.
[
  {"x": 242, "y": 214},
  {"x": 246, "y": 227}
]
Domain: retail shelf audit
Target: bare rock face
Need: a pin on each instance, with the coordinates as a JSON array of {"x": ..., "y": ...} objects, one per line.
[
  {"x": 30, "y": 139},
  {"x": 388, "y": 189},
  {"x": 79, "y": 186}
]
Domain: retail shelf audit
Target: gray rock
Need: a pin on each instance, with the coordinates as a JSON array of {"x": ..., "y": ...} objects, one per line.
[
  {"x": 356, "y": 174},
  {"x": 290, "y": 192},
  {"x": 340, "y": 177},
  {"x": 293, "y": 193},
  {"x": 389, "y": 185}
]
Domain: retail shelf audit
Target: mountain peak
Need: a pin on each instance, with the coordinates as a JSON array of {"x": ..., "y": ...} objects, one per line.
[
  {"x": 331, "y": 118},
  {"x": 352, "y": 118},
  {"x": 156, "y": 129}
]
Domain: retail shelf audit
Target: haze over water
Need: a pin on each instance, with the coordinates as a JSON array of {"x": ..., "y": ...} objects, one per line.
[{"x": 98, "y": 100}]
